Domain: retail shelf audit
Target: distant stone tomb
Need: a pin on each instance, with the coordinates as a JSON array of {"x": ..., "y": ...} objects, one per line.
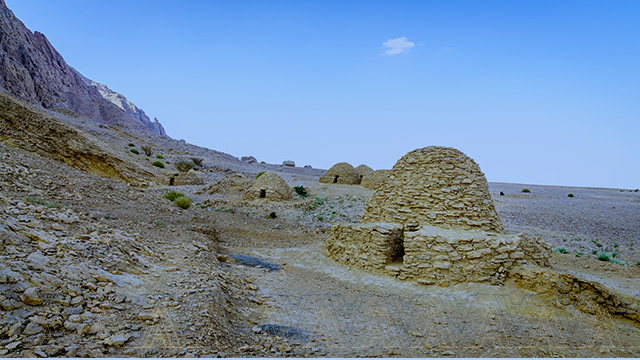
[
  {"x": 433, "y": 221},
  {"x": 183, "y": 178},
  {"x": 269, "y": 186},
  {"x": 341, "y": 173},
  {"x": 374, "y": 179},
  {"x": 363, "y": 170}
]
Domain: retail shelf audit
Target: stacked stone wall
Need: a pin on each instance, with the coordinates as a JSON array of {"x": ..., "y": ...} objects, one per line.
[
  {"x": 367, "y": 246},
  {"x": 437, "y": 186}
]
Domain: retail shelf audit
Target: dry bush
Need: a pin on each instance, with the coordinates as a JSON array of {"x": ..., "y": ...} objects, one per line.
[{"x": 147, "y": 149}]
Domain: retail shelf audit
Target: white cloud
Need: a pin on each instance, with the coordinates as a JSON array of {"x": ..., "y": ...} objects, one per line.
[{"x": 397, "y": 46}]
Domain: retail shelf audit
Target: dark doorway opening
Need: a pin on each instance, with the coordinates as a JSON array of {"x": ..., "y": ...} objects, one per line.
[
  {"x": 396, "y": 255},
  {"x": 263, "y": 193},
  {"x": 335, "y": 179},
  {"x": 171, "y": 181}
]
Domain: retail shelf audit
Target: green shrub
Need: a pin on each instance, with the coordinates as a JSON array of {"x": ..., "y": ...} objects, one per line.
[
  {"x": 273, "y": 215},
  {"x": 159, "y": 156},
  {"x": 615, "y": 244},
  {"x": 147, "y": 158},
  {"x": 132, "y": 144},
  {"x": 594, "y": 251},
  {"x": 561, "y": 250},
  {"x": 197, "y": 161},
  {"x": 619, "y": 262},
  {"x": 598, "y": 244},
  {"x": 603, "y": 256},
  {"x": 172, "y": 195},
  {"x": 638, "y": 263},
  {"x": 147, "y": 149},
  {"x": 183, "y": 166},
  {"x": 158, "y": 223},
  {"x": 260, "y": 174},
  {"x": 615, "y": 254},
  {"x": 158, "y": 164},
  {"x": 570, "y": 195},
  {"x": 526, "y": 190},
  {"x": 579, "y": 254},
  {"x": 301, "y": 191},
  {"x": 183, "y": 202},
  {"x": 262, "y": 162},
  {"x": 39, "y": 201},
  {"x": 135, "y": 151}
]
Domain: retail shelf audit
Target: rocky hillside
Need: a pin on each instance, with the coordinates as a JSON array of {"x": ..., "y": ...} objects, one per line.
[
  {"x": 33, "y": 71},
  {"x": 127, "y": 106}
]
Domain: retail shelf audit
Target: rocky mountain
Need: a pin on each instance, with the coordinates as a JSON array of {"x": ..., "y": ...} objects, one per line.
[
  {"x": 127, "y": 106},
  {"x": 33, "y": 71}
]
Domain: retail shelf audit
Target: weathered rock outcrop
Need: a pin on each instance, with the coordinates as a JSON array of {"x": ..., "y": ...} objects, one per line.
[
  {"x": 127, "y": 106},
  {"x": 37, "y": 131},
  {"x": 33, "y": 71}
]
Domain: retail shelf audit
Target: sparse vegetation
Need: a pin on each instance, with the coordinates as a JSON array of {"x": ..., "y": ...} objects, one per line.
[
  {"x": 183, "y": 166},
  {"x": 197, "y": 161},
  {"x": 183, "y": 202},
  {"x": 579, "y": 254},
  {"x": 619, "y": 262},
  {"x": 172, "y": 195},
  {"x": 615, "y": 244},
  {"x": 158, "y": 223},
  {"x": 135, "y": 151},
  {"x": 561, "y": 250},
  {"x": 301, "y": 191},
  {"x": 147, "y": 149},
  {"x": 570, "y": 195},
  {"x": 147, "y": 158},
  {"x": 158, "y": 164},
  {"x": 598, "y": 244},
  {"x": 603, "y": 256},
  {"x": 35, "y": 200},
  {"x": 273, "y": 215},
  {"x": 159, "y": 156},
  {"x": 526, "y": 190},
  {"x": 260, "y": 174},
  {"x": 594, "y": 251},
  {"x": 132, "y": 144},
  {"x": 319, "y": 201}
]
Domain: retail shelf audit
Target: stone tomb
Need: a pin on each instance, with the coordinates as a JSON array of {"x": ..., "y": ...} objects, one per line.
[
  {"x": 434, "y": 222},
  {"x": 269, "y": 186},
  {"x": 341, "y": 173}
]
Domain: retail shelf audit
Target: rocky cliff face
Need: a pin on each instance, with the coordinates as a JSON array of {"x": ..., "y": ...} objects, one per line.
[
  {"x": 33, "y": 71},
  {"x": 127, "y": 106}
]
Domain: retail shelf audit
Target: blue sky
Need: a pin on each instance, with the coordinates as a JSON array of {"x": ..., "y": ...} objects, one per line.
[{"x": 537, "y": 92}]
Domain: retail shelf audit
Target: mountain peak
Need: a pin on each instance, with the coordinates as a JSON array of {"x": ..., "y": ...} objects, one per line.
[{"x": 33, "y": 71}]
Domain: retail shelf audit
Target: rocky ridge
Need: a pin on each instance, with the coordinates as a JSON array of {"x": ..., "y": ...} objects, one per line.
[{"x": 33, "y": 71}]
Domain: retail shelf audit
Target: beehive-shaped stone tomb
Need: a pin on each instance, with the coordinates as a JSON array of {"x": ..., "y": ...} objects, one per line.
[
  {"x": 269, "y": 186},
  {"x": 433, "y": 220},
  {"x": 341, "y": 173}
]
